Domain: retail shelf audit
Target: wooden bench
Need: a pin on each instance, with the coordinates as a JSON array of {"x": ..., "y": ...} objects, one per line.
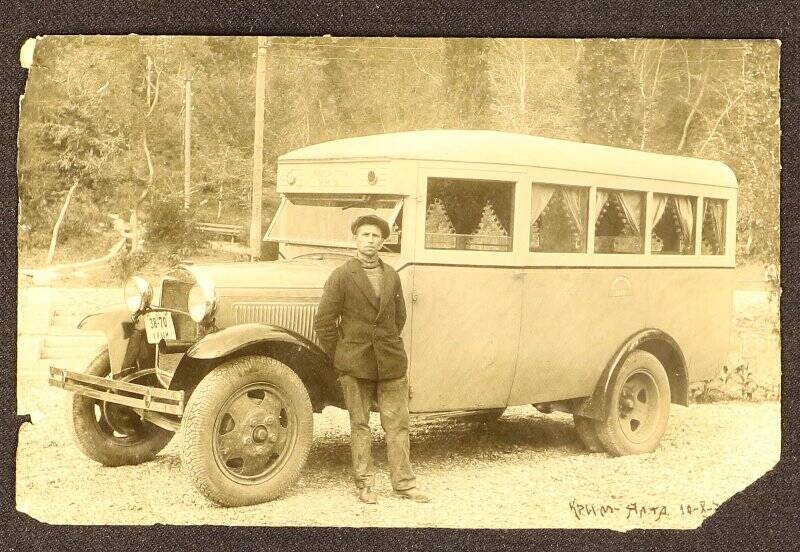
[{"x": 231, "y": 231}]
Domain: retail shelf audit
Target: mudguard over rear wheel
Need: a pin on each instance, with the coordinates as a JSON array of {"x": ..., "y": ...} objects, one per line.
[
  {"x": 247, "y": 431},
  {"x": 109, "y": 433}
]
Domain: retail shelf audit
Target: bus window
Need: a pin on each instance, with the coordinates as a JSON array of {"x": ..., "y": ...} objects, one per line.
[
  {"x": 469, "y": 214},
  {"x": 619, "y": 222},
  {"x": 713, "y": 227},
  {"x": 673, "y": 224},
  {"x": 558, "y": 218}
]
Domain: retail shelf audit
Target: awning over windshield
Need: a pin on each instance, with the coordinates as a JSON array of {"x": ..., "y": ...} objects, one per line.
[{"x": 325, "y": 220}]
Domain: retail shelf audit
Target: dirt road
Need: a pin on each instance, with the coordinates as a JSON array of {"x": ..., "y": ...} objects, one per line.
[{"x": 525, "y": 470}]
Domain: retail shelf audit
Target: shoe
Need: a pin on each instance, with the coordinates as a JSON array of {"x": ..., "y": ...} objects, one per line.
[
  {"x": 413, "y": 494},
  {"x": 367, "y": 496}
]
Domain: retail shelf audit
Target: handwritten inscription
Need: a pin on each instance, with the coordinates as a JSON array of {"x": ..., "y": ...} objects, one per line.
[{"x": 639, "y": 511}]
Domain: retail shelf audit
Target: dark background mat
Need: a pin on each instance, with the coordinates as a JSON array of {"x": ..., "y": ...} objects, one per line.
[{"x": 764, "y": 516}]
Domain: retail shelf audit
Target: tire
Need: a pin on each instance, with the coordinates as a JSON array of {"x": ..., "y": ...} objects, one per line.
[
  {"x": 586, "y": 428},
  {"x": 247, "y": 431},
  {"x": 109, "y": 433},
  {"x": 637, "y": 406}
]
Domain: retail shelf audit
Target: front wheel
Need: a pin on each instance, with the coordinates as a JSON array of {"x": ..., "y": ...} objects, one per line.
[
  {"x": 247, "y": 431},
  {"x": 111, "y": 433},
  {"x": 637, "y": 406}
]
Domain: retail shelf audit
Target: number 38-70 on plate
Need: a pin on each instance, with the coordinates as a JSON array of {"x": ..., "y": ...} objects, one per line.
[{"x": 158, "y": 326}]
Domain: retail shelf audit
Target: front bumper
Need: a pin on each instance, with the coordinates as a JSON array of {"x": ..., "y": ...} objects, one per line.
[{"x": 119, "y": 392}]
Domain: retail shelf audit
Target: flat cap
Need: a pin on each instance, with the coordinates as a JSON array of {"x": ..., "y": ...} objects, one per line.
[{"x": 371, "y": 219}]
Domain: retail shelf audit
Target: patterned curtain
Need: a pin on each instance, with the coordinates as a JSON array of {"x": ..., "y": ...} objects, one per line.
[{"x": 602, "y": 197}]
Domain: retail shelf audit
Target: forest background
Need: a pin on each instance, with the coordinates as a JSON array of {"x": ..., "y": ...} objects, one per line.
[{"x": 103, "y": 116}]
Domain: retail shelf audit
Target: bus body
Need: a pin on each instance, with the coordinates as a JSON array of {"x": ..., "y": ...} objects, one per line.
[{"x": 518, "y": 322}]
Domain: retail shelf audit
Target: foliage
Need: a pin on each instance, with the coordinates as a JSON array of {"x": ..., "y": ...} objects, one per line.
[
  {"x": 738, "y": 384},
  {"x": 126, "y": 264},
  {"x": 92, "y": 103},
  {"x": 171, "y": 226}
]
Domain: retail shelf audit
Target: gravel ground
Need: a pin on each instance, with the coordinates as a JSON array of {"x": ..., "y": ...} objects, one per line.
[{"x": 525, "y": 470}]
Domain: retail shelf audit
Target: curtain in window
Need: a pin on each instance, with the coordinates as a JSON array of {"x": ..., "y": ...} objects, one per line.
[
  {"x": 632, "y": 206},
  {"x": 716, "y": 208},
  {"x": 685, "y": 216},
  {"x": 540, "y": 197},
  {"x": 602, "y": 197},
  {"x": 659, "y": 207},
  {"x": 575, "y": 202}
]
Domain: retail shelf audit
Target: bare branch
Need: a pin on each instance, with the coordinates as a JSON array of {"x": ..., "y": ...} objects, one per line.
[
  {"x": 54, "y": 238},
  {"x": 719, "y": 120},
  {"x": 693, "y": 110},
  {"x": 155, "y": 94}
]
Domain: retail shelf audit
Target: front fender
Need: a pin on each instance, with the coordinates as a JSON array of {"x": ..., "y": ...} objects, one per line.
[
  {"x": 116, "y": 323},
  {"x": 230, "y": 340},
  {"x": 309, "y": 361}
]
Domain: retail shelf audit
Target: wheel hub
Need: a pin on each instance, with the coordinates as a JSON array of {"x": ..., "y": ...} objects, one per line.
[
  {"x": 121, "y": 419},
  {"x": 638, "y": 407},
  {"x": 253, "y": 433}
]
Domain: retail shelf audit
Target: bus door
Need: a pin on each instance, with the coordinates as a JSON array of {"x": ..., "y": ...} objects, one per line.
[{"x": 466, "y": 299}]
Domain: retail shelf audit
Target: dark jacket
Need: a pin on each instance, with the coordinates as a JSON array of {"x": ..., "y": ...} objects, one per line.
[{"x": 360, "y": 331}]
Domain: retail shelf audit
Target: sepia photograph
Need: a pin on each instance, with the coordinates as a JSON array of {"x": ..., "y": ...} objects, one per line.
[{"x": 333, "y": 281}]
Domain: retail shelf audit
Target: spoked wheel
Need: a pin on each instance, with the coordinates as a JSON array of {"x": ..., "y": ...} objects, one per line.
[
  {"x": 247, "y": 431},
  {"x": 110, "y": 433},
  {"x": 637, "y": 407}
]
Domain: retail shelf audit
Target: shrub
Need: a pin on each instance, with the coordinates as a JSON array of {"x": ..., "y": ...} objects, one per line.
[
  {"x": 126, "y": 264},
  {"x": 169, "y": 224},
  {"x": 737, "y": 384}
]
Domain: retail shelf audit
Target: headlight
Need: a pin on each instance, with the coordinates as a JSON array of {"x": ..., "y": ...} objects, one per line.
[
  {"x": 138, "y": 294},
  {"x": 202, "y": 301}
]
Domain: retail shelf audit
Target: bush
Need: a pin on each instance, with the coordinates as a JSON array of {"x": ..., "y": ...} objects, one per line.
[
  {"x": 738, "y": 384},
  {"x": 83, "y": 217},
  {"x": 169, "y": 224},
  {"x": 126, "y": 264}
]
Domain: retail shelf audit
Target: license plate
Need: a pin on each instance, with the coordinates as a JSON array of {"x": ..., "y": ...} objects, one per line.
[{"x": 158, "y": 326}]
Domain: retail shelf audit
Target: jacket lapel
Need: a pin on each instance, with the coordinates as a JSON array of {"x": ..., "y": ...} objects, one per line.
[
  {"x": 387, "y": 289},
  {"x": 362, "y": 282}
]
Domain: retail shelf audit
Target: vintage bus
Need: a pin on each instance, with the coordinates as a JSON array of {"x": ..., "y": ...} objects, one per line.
[{"x": 574, "y": 277}]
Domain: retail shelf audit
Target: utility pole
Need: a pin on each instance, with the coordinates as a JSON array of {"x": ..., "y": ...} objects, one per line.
[
  {"x": 187, "y": 140},
  {"x": 258, "y": 150}
]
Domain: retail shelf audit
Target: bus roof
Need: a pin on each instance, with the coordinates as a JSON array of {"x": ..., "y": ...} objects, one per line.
[{"x": 506, "y": 148}]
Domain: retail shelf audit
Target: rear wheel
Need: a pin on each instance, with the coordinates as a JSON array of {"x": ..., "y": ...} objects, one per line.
[
  {"x": 586, "y": 428},
  {"x": 637, "y": 406},
  {"x": 247, "y": 431},
  {"x": 109, "y": 433}
]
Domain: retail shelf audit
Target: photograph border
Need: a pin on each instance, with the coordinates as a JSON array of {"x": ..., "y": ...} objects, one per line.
[{"x": 763, "y": 515}]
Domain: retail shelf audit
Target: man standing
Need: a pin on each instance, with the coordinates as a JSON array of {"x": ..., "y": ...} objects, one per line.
[{"x": 359, "y": 320}]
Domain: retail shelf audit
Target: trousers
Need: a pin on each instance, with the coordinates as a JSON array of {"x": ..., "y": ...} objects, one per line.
[{"x": 391, "y": 396}]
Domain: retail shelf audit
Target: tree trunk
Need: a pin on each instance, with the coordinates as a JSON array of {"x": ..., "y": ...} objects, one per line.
[{"x": 54, "y": 238}]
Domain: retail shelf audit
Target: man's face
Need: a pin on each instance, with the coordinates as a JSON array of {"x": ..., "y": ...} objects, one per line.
[{"x": 368, "y": 239}]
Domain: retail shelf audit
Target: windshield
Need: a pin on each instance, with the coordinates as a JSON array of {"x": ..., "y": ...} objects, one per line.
[{"x": 326, "y": 219}]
